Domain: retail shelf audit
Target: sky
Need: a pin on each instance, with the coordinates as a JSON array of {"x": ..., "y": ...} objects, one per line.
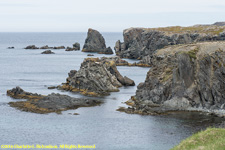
[{"x": 105, "y": 15}]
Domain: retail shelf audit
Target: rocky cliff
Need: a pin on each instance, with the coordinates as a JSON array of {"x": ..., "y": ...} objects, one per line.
[
  {"x": 183, "y": 77},
  {"x": 96, "y": 77},
  {"x": 95, "y": 42},
  {"x": 141, "y": 43}
]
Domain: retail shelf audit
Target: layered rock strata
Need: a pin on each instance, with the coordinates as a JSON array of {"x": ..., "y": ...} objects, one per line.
[
  {"x": 96, "y": 78},
  {"x": 183, "y": 77}
]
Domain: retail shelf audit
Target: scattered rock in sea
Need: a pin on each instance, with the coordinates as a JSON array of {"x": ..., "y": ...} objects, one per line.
[
  {"x": 42, "y": 104},
  {"x": 31, "y": 47},
  {"x": 59, "y": 47},
  {"x": 52, "y": 87},
  {"x": 46, "y": 47},
  {"x": 183, "y": 78},
  {"x": 96, "y": 78},
  {"x": 11, "y": 47},
  {"x": 48, "y": 52},
  {"x": 96, "y": 43},
  {"x": 76, "y": 46}
]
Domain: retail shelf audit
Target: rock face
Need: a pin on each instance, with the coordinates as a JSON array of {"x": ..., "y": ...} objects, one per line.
[
  {"x": 96, "y": 78},
  {"x": 185, "y": 77},
  {"x": 96, "y": 43},
  {"x": 46, "y": 104},
  {"x": 48, "y": 52},
  {"x": 142, "y": 42}
]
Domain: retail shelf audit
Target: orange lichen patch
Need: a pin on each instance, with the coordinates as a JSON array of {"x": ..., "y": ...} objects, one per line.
[
  {"x": 82, "y": 91},
  {"x": 29, "y": 107},
  {"x": 23, "y": 96},
  {"x": 142, "y": 65},
  {"x": 92, "y": 59},
  {"x": 85, "y": 92}
]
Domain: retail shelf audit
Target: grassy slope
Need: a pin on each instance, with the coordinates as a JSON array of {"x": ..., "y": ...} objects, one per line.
[{"x": 210, "y": 139}]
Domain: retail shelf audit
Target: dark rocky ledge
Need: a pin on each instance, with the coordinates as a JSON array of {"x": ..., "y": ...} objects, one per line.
[{"x": 42, "y": 104}]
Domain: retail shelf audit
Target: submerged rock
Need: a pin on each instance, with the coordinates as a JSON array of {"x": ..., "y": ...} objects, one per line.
[
  {"x": 31, "y": 47},
  {"x": 185, "y": 77},
  {"x": 96, "y": 43},
  {"x": 47, "y": 52},
  {"x": 37, "y": 103},
  {"x": 96, "y": 77}
]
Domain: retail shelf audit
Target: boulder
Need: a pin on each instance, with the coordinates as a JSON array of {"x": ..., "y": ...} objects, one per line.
[
  {"x": 76, "y": 46},
  {"x": 47, "y": 52},
  {"x": 31, "y": 47},
  {"x": 46, "y": 47},
  {"x": 90, "y": 55},
  {"x": 59, "y": 47},
  {"x": 42, "y": 104},
  {"x": 106, "y": 51}
]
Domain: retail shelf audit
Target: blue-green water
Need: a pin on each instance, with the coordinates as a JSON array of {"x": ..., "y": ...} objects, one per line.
[{"x": 103, "y": 126}]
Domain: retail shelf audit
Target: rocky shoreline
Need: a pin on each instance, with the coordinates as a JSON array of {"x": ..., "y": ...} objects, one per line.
[
  {"x": 187, "y": 77},
  {"x": 141, "y": 43},
  {"x": 42, "y": 104}
]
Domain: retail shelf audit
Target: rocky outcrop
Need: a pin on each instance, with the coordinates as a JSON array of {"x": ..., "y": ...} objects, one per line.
[
  {"x": 96, "y": 78},
  {"x": 76, "y": 46},
  {"x": 143, "y": 42},
  {"x": 42, "y": 104},
  {"x": 31, "y": 47},
  {"x": 47, "y": 52},
  {"x": 219, "y": 24},
  {"x": 184, "y": 77},
  {"x": 96, "y": 43}
]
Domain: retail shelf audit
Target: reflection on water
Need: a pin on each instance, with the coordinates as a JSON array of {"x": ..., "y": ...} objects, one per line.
[{"x": 100, "y": 125}]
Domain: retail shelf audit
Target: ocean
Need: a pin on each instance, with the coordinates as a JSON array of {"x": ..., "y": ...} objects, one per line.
[{"x": 102, "y": 125}]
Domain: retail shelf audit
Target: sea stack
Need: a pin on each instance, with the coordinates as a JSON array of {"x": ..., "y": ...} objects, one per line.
[{"x": 95, "y": 42}]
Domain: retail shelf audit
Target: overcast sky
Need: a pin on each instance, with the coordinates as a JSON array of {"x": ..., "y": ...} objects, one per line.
[{"x": 105, "y": 15}]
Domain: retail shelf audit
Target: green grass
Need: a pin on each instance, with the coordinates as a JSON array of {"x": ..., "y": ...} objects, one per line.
[{"x": 210, "y": 139}]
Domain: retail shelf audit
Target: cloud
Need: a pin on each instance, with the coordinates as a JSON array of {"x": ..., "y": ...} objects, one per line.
[{"x": 111, "y": 15}]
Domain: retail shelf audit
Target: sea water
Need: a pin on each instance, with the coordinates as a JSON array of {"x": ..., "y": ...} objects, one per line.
[{"x": 102, "y": 125}]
